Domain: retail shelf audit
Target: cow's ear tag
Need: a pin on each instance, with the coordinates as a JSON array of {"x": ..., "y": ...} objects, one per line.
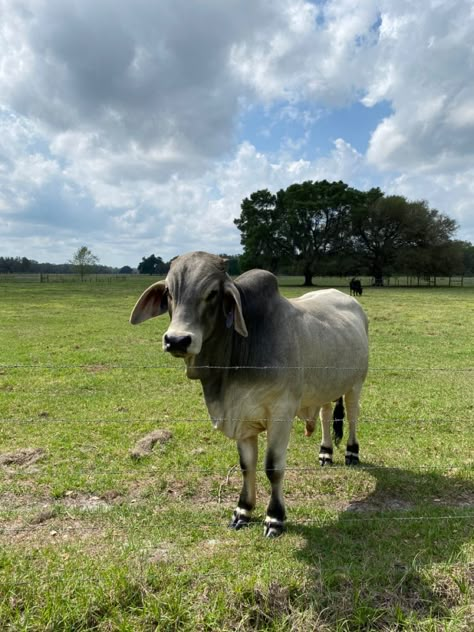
[{"x": 229, "y": 319}]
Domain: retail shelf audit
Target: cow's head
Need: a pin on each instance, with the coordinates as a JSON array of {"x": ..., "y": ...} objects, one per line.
[{"x": 199, "y": 297}]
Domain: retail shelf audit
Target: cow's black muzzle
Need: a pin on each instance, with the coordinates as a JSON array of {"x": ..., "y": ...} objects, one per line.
[{"x": 177, "y": 345}]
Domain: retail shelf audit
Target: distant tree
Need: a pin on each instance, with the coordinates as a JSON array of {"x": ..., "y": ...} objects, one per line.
[
  {"x": 302, "y": 224},
  {"x": 316, "y": 221},
  {"x": 390, "y": 228},
  {"x": 447, "y": 259},
  {"x": 468, "y": 257},
  {"x": 126, "y": 270},
  {"x": 431, "y": 261},
  {"x": 84, "y": 261},
  {"x": 6, "y": 264},
  {"x": 233, "y": 264},
  {"x": 260, "y": 224},
  {"x": 152, "y": 265},
  {"x": 331, "y": 227},
  {"x": 17, "y": 264}
]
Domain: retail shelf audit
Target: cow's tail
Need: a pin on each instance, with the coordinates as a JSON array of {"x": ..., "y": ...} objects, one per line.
[{"x": 338, "y": 421}]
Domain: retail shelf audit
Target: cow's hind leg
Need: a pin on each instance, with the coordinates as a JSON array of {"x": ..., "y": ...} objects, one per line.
[
  {"x": 278, "y": 435},
  {"x": 352, "y": 407},
  {"x": 248, "y": 452},
  {"x": 326, "y": 449}
]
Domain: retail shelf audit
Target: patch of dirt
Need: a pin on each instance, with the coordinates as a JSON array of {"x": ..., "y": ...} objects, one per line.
[
  {"x": 42, "y": 521},
  {"x": 89, "y": 502},
  {"x": 387, "y": 504},
  {"x": 145, "y": 445},
  {"x": 54, "y": 530},
  {"x": 160, "y": 555},
  {"x": 10, "y": 501},
  {"x": 96, "y": 368},
  {"x": 31, "y": 511},
  {"x": 22, "y": 457},
  {"x": 383, "y": 502}
]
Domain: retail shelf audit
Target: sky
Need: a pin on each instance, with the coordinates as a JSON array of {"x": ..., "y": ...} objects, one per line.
[{"x": 137, "y": 128}]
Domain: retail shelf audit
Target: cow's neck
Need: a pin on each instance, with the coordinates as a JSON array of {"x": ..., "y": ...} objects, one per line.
[
  {"x": 211, "y": 366},
  {"x": 216, "y": 352}
]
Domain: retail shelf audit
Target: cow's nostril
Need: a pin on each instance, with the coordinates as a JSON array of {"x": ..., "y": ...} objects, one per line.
[{"x": 177, "y": 344}]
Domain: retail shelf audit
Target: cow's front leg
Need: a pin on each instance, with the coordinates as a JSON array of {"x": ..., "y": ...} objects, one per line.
[
  {"x": 248, "y": 452},
  {"x": 278, "y": 435}
]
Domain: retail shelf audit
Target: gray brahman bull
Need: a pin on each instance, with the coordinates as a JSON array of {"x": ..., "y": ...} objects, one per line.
[{"x": 262, "y": 360}]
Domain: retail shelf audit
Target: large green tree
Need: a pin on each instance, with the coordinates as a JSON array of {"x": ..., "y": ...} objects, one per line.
[
  {"x": 261, "y": 225},
  {"x": 301, "y": 224},
  {"x": 329, "y": 225},
  {"x": 386, "y": 228},
  {"x": 316, "y": 220},
  {"x": 152, "y": 265}
]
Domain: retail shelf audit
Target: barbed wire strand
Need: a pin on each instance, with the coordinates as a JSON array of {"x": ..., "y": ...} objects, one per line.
[
  {"x": 324, "y": 471},
  {"x": 99, "y": 366},
  {"x": 44, "y": 418}
]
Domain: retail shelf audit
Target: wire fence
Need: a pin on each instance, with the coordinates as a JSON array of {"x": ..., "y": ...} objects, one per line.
[
  {"x": 450, "y": 466},
  {"x": 181, "y": 367},
  {"x": 70, "y": 522},
  {"x": 301, "y": 522},
  {"x": 322, "y": 471},
  {"x": 44, "y": 418}
]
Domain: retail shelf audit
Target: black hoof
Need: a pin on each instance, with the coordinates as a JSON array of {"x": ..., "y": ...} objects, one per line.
[
  {"x": 325, "y": 459},
  {"x": 273, "y": 528},
  {"x": 239, "y": 521},
  {"x": 325, "y": 455},
  {"x": 352, "y": 454},
  {"x": 352, "y": 459}
]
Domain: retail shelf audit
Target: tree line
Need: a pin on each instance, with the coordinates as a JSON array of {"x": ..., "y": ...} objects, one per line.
[
  {"x": 23, "y": 265},
  {"x": 156, "y": 266},
  {"x": 317, "y": 227},
  {"x": 329, "y": 228}
]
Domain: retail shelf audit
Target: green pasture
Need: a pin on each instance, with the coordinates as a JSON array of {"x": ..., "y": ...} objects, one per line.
[{"x": 91, "y": 539}]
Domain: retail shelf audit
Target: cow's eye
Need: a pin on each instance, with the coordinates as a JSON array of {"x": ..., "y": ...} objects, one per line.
[{"x": 211, "y": 296}]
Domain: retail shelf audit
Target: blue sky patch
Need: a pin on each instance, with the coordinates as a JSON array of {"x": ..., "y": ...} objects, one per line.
[{"x": 307, "y": 130}]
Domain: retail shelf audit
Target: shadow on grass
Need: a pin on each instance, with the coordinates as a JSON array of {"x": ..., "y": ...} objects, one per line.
[{"x": 399, "y": 555}]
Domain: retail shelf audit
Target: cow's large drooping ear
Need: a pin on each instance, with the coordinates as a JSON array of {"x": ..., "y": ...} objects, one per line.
[
  {"x": 233, "y": 309},
  {"x": 153, "y": 302}
]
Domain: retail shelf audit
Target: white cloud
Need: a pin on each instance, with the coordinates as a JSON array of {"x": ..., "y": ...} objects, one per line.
[
  {"x": 424, "y": 55},
  {"x": 24, "y": 169}
]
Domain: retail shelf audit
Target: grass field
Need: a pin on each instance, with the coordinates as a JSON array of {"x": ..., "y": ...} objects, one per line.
[{"x": 91, "y": 539}]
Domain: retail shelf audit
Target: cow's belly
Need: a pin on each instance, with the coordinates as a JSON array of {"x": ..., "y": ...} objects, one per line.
[
  {"x": 246, "y": 410},
  {"x": 322, "y": 387}
]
